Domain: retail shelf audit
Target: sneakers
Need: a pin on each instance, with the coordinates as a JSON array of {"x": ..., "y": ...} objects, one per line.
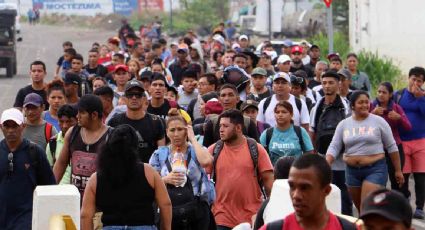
[{"x": 419, "y": 214}]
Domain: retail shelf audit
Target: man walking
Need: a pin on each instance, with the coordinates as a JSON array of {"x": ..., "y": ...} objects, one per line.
[{"x": 23, "y": 166}]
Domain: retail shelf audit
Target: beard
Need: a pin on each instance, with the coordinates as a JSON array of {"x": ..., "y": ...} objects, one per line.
[{"x": 232, "y": 137}]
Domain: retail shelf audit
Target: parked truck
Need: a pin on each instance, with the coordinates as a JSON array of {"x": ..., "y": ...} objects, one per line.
[{"x": 8, "y": 41}]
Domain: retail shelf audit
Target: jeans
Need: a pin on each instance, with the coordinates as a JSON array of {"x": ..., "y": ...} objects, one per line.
[
  {"x": 391, "y": 170},
  {"x": 338, "y": 179},
  {"x": 376, "y": 173},
  {"x": 144, "y": 227}
]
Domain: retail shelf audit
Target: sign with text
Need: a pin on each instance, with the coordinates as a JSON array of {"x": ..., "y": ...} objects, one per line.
[
  {"x": 74, "y": 7},
  {"x": 155, "y": 5},
  {"x": 125, "y": 7}
]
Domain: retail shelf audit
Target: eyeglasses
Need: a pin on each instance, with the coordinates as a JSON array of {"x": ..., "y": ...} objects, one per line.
[
  {"x": 137, "y": 95},
  {"x": 10, "y": 159},
  {"x": 295, "y": 79}
]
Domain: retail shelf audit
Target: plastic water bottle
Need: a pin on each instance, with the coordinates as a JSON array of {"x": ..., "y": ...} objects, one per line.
[{"x": 179, "y": 165}]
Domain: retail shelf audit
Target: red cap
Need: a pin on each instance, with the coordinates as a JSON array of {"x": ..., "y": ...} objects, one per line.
[
  {"x": 121, "y": 66},
  {"x": 296, "y": 49}
]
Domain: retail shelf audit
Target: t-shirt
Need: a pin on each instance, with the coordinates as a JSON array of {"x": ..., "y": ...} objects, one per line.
[
  {"x": 148, "y": 142},
  {"x": 37, "y": 134},
  {"x": 161, "y": 111},
  {"x": 100, "y": 70},
  {"x": 261, "y": 96},
  {"x": 286, "y": 143},
  {"x": 291, "y": 223},
  {"x": 60, "y": 60},
  {"x": 23, "y": 92},
  {"x": 268, "y": 116},
  {"x": 238, "y": 199},
  {"x": 185, "y": 98},
  {"x": 361, "y": 138},
  {"x": 49, "y": 119}
]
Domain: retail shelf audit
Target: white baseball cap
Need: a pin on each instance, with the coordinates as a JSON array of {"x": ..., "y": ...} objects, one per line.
[
  {"x": 243, "y": 36},
  {"x": 12, "y": 115},
  {"x": 283, "y": 58},
  {"x": 282, "y": 75}
]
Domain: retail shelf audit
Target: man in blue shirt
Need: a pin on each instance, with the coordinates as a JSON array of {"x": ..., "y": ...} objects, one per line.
[{"x": 23, "y": 166}]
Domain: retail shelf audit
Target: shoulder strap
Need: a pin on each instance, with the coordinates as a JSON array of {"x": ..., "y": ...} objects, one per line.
[
  {"x": 253, "y": 151},
  {"x": 216, "y": 152},
  {"x": 48, "y": 131},
  {"x": 214, "y": 121},
  {"x": 399, "y": 94},
  {"x": 345, "y": 224},
  {"x": 35, "y": 161},
  {"x": 299, "y": 104},
  {"x": 75, "y": 130},
  {"x": 246, "y": 122},
  {"x": 52, "y": 148},
  {"x": 300, "y": 136},
  {"x": 275, "y": 225},
  {"x": 266, "y": 104},
  {"x": 269, "y": 134}
]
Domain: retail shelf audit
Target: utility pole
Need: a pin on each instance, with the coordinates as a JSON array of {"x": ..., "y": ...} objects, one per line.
[{"x": 270, "y": 19}]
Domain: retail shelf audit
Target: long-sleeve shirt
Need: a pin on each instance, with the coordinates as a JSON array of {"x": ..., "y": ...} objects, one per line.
[
  {"x": 361, "y": 138},
  {"x": 402, "y": 124},
  {"x": 415, "y": 111},
  {"x": 361, "y": 81}
]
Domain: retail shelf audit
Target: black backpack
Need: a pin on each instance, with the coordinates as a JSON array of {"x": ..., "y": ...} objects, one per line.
[
  {"x": 278, "y": 224},
  {"x": 269, "y": 99},
  {"x": 52, "y": 148},
  {"x": 185, "y": 204},
  {"x": 253, "y": 151},
  {"x": 326, "y": 124},
  {"x": 297, "y": 129}
]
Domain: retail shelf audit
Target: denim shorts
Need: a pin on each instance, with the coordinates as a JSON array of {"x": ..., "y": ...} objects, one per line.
[
  {"x": 375, "y": 173},
  {"x": 144, "y": 227}
]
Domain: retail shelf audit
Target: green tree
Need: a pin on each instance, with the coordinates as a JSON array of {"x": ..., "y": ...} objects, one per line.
[{"x": 340, "y": 15}]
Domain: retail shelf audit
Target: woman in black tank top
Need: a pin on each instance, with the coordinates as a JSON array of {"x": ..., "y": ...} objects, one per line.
[{"x": 124, "y": 188}]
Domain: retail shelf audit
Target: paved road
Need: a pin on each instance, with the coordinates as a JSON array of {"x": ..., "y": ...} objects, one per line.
[{"x": 44, "y": 43}]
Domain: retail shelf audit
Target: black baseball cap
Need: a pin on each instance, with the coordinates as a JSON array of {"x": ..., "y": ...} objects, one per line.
[
  {"x": 389, "y": 204},
  {"x": 134, "y": 84},
  {"x": 72, "y": 78},
  {"x": 146, "y": 75}
]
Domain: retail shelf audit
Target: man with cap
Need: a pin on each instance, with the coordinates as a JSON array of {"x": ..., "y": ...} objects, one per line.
[
  {"x": 385, "y": 209},
  {"x": 297, "y": 64},
  {"x": 250, "y": 109},
  {"x": 37, "y": 73},
  {"x": 180, "y": 65},
  {"x": 283, "y": 63},
  {"x": 23, "y": 166},
  {"x": 314, "y": 53},
  {"x": 121, "y": 77},
  {"x": 243, "y": 42},
  {"x": 287, "y": 46},
  {"x": 83, "y": 143},
  {"x": 72, "y": 83},
  {"x": 137, "y": 117},
  {"x": 335, "y": 61},
  {"x": 259, "y": 90},
  {"x": 325, "y": 116},
  {"x": 344, "y": 88},
  {"x": 282, "y": 88},
  {"x": 36, "y": 129}
]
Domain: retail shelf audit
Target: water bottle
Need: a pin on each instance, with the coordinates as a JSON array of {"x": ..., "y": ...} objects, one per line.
[{"x": 178, "y": 165}]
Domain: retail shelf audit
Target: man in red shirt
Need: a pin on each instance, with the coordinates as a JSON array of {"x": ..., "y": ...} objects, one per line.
[
  {"x": 309, "y": 185},
  {"x": 238, "y": 191}
]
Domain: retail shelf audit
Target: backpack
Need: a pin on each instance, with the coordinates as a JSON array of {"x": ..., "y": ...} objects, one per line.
[
  {"x": 253, "y": 151},
  {"x": 326, "y": 124},
  {"x": 52, "y": 148},
  {"x": 48, "y": 128},
  {"x": 185, "y": 204},
  {"x": 398, "y": 95},
  {"x": 297, "y": 129},
  {"x": 278, "y": 224},
  {"x": 269, "y": 99},
  {"x": 214, "y": 120},
  {"x": 35, "y": 161}
]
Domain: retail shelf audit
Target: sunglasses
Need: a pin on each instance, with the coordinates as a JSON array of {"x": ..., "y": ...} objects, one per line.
[
  {"x": 10, "y": 159},
  {"x": 137, "y": 95},
  {"x": 295, "y": 79}
]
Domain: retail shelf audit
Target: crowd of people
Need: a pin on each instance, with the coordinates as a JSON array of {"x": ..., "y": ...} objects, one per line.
[{"x": 191, "y": 134}]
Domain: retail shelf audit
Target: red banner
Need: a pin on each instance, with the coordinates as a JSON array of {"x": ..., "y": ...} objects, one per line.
[
  {"x": 151, "y": 5},
  {"x": 328, "y": 3}
]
